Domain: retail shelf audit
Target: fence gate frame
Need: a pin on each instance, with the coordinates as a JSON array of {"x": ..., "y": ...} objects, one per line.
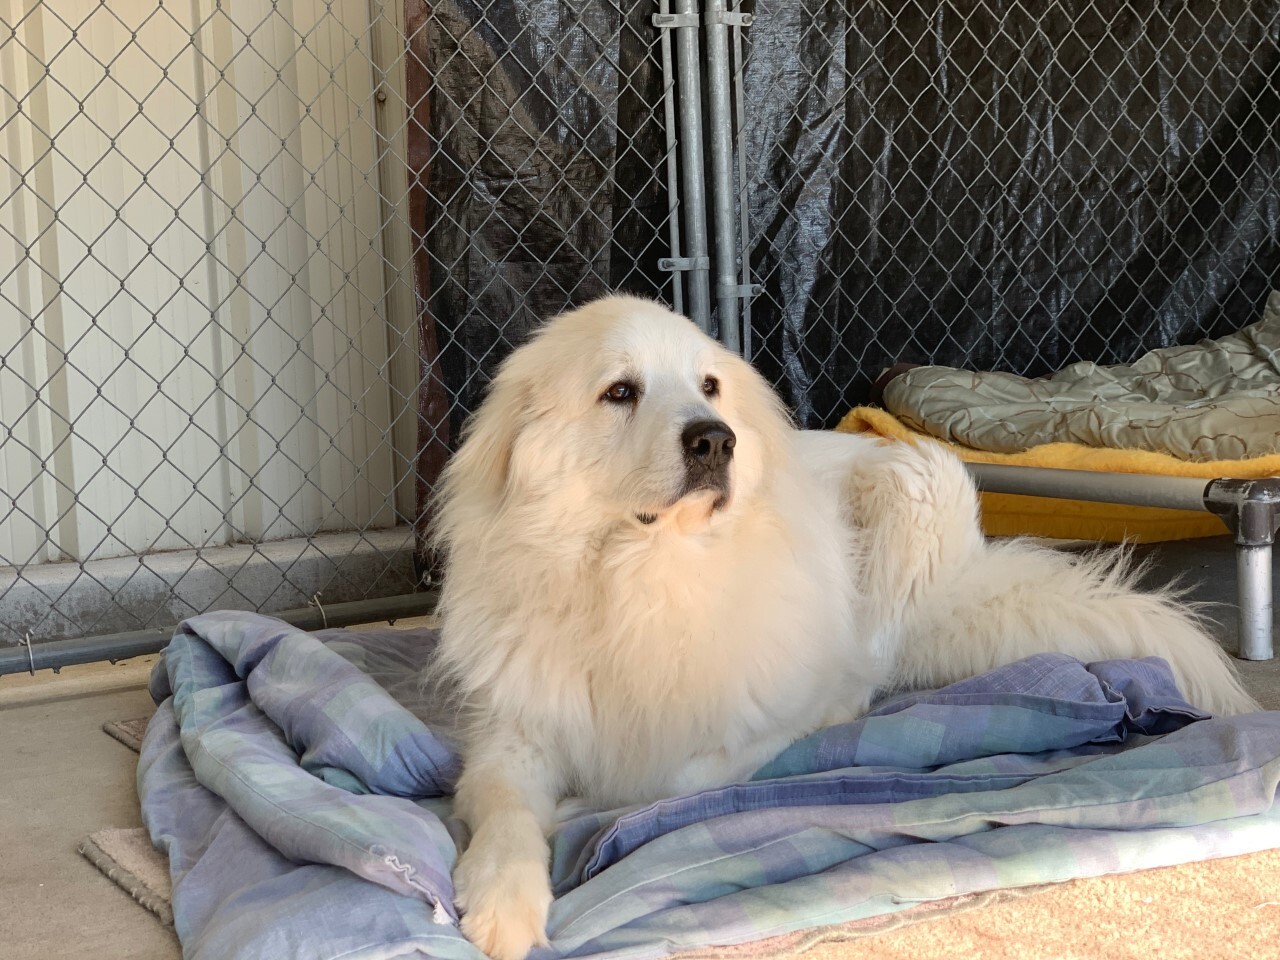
[{"x": 718, "y": 28}]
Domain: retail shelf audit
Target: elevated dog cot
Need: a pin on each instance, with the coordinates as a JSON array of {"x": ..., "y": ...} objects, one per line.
[{"x": 1183, "y": 428}]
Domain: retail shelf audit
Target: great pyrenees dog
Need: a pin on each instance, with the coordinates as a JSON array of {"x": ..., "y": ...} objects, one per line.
[{"x": 654, "y": 583}]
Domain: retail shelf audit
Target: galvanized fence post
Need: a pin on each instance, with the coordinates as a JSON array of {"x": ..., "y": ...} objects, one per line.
[
  {"x": 697, "y": 264},
  {"x": 718, "y": 19}
]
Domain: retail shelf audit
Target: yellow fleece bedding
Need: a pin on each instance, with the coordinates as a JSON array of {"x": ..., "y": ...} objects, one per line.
[{"x": 1011, "y": 515}]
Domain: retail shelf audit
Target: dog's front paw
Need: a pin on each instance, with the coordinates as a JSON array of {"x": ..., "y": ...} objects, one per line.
[{"x": 503, "y": 901}]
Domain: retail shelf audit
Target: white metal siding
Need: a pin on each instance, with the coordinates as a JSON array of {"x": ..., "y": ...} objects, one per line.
[{"x": 194, "y": 278}]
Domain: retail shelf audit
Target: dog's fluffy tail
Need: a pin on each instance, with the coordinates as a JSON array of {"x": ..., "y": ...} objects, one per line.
[{"x": 1015, "y": 598}]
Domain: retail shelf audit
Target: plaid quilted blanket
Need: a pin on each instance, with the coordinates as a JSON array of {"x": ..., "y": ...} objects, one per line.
[{"x": 299, "y": 784}]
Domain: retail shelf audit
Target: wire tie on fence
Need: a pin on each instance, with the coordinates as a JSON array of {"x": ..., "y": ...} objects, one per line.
[
  {"x": 315, "y": 602},
  {"x": 31, "y": 661}
]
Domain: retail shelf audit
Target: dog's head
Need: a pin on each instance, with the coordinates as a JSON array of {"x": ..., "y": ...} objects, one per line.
[{"x": 620, "y": 412}]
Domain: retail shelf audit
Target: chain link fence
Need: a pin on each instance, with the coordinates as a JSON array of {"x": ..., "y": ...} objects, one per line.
[
  {"x": 258, "y": 260},
  {"x": 1002, "y": 184}
]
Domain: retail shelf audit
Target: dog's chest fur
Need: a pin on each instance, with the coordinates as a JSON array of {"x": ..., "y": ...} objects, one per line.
[{"x": 652, "y": 651}]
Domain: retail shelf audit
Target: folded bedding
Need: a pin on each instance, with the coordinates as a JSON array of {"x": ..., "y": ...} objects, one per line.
[
  {"x": 1213, "y": 400},
  {"x": 1205, "y": 411},
  {"x": 300, "y": 784}
]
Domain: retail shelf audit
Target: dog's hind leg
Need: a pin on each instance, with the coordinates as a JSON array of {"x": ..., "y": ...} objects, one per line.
[{"x": 958, "y": 605}]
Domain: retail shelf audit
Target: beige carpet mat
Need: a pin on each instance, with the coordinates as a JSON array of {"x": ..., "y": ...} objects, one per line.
[
  {"x": 128, "y": 732},
  {"x": 128, "y": 859}
]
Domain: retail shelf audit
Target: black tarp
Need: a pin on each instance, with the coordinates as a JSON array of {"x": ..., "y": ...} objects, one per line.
[
  {"x": 547, "y": 183},
  {"x": 999, "y": 185},
  {"x": 1004, "y": 185}
]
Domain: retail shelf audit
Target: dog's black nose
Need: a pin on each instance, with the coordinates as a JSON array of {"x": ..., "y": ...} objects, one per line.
[{"x": 710, "y": 442}]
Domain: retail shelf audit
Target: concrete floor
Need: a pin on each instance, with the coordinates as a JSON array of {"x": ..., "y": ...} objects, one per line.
[{"x": 61, "y": 778}]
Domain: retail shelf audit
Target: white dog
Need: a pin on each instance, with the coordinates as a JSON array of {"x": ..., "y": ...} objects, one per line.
[{"x": 654, "y": 584}]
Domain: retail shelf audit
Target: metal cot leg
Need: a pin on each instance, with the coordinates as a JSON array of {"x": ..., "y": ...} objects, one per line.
[
  {"x": 1251, "y": 508},
  {"x": 1253, "y": 582}
]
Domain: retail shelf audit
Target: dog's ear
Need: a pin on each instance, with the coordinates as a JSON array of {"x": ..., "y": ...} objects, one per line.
[{"x": 482, "y": 465}]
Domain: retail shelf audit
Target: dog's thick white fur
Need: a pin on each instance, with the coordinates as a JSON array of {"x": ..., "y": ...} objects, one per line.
[{"x": 626, "y": 622}]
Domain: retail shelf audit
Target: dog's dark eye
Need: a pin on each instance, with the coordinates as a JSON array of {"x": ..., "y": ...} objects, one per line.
[
  {"x": 621, "y": 392},
  {"x": 711, "y": 387}
]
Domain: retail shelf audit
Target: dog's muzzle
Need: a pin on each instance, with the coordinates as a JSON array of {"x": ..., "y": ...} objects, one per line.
[{"x": 708, "y": 451}]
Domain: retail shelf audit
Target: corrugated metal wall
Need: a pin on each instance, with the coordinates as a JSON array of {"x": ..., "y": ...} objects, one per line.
[{"x": 205, "y": 301}]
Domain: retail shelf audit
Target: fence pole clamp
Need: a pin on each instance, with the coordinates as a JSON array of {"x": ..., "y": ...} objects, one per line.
[
  {"x": 672, "y": 21},
  {"x": 672, "y": 264},
  {"x": 742, "y": 291},
  {"x": 714, "y": 18}
]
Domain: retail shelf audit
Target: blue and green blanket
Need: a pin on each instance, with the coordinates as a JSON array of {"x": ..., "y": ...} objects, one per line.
[{"x": 300, "y": 785}]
